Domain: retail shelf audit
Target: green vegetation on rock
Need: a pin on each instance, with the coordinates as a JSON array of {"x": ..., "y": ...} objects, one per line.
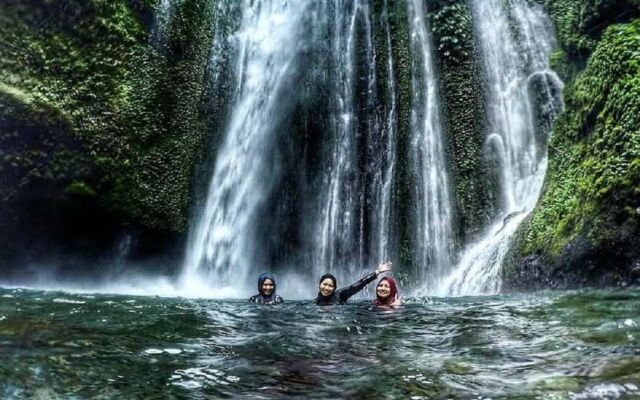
[
  {"x": 460, "y": 76},
  {"x": 400, "y": 43},
  {"x": 586, "y": 225},
  {"x": 130, "y": 113}
]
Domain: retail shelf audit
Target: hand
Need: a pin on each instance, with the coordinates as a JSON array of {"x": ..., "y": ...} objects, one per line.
[{"x": 384, "y": 267}]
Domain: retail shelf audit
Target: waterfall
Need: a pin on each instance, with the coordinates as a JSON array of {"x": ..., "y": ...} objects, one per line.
[
  {"x": 516, "y": 40},
  {"x": 384, "y": 173},
  {"x": 125, "y": 243},
  {"x": 433, "y": 205},
  {"x": 348, "y": 227},
  {"x": 336, "y": 236},
  {"x": 224, "y": 244},
  {"x": 352, "y": 228},
  {"x": 353, "y": 207}
]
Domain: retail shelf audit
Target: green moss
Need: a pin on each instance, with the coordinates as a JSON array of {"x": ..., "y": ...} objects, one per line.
[
  {"x": 452, "y": 26},
  {"x": 593, "y": 181},
  {"x": 579, "y": 23},
  {"x": 400, "y": 43},
  {"x": 135, "y": 110},
  {"x": 464, "y": 112},
  {"x": 80, "y": 188}
]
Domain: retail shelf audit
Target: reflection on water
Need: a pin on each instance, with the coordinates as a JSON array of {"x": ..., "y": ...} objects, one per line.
[{"x": 548, "y": 345}]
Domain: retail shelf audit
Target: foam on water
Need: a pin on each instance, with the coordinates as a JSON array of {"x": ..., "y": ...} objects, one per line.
[
  {"x": 608, "y": 391},
  {"x": 68, "y": 301}
]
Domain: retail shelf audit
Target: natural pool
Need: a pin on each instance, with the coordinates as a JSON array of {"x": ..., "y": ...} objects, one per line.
[{"x": 550, "y": 345}]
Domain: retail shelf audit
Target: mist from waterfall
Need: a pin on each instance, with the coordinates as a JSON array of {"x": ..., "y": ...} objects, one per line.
[
  {"x": 516, "y": 40},
  {"x": 432, "y": 229},
  {"x": 224, "y": 244}
]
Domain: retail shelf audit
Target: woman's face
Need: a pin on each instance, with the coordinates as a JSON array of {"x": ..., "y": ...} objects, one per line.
[
  {"x": 327, "y": 287},
  {"x": 383, "y": 290},
  {"x": 267, "y": 287}
]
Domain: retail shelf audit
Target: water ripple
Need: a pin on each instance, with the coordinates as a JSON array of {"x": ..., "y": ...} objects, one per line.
[{"x": 570, "y": 345}]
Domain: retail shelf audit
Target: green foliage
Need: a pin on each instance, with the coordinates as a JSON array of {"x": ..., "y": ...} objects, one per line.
[
  {"x": 463, "y": 109},
  {"x": 80, "y": 188},
  {"x": 134, "y": 110},
  {"x": 452, "y": 28},
  {"x": 593, "y": 181},
  {"x": 579, "y": 23}
]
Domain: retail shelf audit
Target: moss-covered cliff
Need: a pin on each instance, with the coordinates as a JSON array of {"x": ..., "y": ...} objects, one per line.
[
  {"x": 586, "y": 226},
  {"x": 91, "y": 113},
  {"x": 462, "y": 102}
]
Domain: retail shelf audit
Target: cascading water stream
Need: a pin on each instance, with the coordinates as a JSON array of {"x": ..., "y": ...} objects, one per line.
[
  {"x": 352, "y": 232},
  {"x": 352, "y": 225},
  {"x": 336, "y": 236},
  {"x": 383, "y": 181},
  {"x": 223, "y": 245},
  {"x": 514, "y": 128},
  {"x": 433, "y": 219}
]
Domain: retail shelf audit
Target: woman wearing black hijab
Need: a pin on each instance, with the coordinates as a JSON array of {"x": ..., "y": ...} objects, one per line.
[
  {"x": 266, "y": 290},
  {"x": 328, "y": 295}
]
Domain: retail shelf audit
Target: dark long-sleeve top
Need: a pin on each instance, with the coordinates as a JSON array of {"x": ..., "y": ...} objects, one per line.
[
  {"x": 258, "y": 298},
  {"x": 341, "y": 295}
]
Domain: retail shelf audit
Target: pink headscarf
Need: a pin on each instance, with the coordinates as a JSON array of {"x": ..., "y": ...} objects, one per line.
[{"x": 392, "y": 299}]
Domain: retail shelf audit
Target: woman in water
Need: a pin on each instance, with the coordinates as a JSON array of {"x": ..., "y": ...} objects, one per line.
[
  {"x": 387, "y": 293},
  {"x": 328, "y": 295},
  {"x": 266, "y": 290}
]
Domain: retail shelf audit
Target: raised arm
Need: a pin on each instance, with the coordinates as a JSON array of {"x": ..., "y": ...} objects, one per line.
[{"x": 345, "y": 293}]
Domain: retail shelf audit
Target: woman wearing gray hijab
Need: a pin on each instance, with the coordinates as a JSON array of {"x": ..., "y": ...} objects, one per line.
[{"x": 266, "y": 290}]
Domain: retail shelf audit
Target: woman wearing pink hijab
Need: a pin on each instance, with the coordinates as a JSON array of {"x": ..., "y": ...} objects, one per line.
[{"x": 387, "y": 293}]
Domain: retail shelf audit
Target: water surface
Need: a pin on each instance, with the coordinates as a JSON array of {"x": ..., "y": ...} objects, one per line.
[{"x": 540, "y": 346}]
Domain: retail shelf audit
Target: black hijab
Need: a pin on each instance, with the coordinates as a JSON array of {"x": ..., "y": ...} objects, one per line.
[{"x": 331, "y": 299}]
